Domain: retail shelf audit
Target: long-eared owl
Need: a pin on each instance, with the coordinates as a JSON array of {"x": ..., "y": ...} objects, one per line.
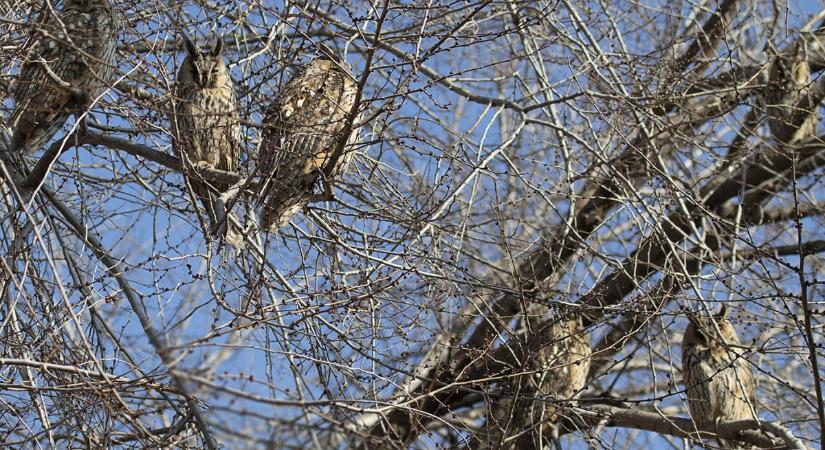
[
  {"x": 555, "y": 362},
  {"x": 304, "y": 128},
  {"x": 789, "y": 103},
  {"x": 71, "y": 64},
  {"x": 205, "y": 121},
  {"x": 718, "y": 380}
]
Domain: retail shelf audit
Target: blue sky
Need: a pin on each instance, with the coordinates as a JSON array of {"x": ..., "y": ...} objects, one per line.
[{"x": 361, "y": 285}]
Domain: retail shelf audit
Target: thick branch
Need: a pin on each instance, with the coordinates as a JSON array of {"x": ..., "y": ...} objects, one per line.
[
  {"x": 645, "y": 261},
  {"x": 47, "y": 160},
  {"x": 746, "y": 431}
]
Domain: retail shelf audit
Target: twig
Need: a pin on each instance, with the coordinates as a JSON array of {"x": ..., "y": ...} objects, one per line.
[
  {"x": 806, "y": 309},
  {"x": 115, "y": 269}
]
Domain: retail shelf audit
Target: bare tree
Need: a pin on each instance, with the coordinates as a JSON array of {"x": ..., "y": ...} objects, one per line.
[{"x": 633, "y": 165}]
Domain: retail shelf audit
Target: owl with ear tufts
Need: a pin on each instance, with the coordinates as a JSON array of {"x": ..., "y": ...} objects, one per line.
[
  {"x": 555, "y": 363},
  {"x": 205, "y": 123},
  {"x": 71, "y": 64},
  {"x": 718, "y": 380},
  {"x": 305, "y": 140}
]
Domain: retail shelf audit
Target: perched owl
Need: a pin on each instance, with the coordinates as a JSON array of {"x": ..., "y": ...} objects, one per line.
[
  {"x": 718, "y": 382},
  {"x": 205, "y": 122},
  {"x": 557, "y": 363},
  {"x": 71, "y": 64},
  {"x": 790, "y": 119},
  {"x": 303, "y": 129}
]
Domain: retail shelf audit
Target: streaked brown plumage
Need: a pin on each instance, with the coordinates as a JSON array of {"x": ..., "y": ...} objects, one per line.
[
  {"x": 557, "y": 362},
  {"x": 789, "y": 104},
  {"x": 718, "y": 382},
  {"x": 78, "y": 47},
  {"x": 205, "y": 121},
  {"x": 304, "y": 127}
]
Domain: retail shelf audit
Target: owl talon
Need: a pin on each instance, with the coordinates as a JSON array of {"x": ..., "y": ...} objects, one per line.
[{"x": 326, "y": 196}]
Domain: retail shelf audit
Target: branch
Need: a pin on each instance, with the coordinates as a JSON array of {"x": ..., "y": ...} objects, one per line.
[
  {"x": 47, "y": 160},
  {"x": 753, "y": 432},
  {"x": 759, "y": 216},
  {"x": 108, "y": 377},
  {"x": 116, "y": 270}
]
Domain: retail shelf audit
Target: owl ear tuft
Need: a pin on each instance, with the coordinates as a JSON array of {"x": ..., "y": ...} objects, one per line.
[
  {"x": 190, "y": 47},
  {"x": 218, "y": 48},
  {"x": 723, "y": 312}
]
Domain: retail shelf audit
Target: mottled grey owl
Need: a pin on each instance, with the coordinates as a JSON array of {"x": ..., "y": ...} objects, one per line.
[
  {"x": 205, "y": 121},
  {"x": 71, "y": 64},
  {"x": 557, "y": 362},
  {"x": 718, "y": 382},
  {"x": 304, "y": 127},
  {"x": 790, "y": 118}
]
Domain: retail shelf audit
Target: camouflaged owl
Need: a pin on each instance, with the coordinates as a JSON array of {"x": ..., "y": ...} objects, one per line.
[
  {"x": 718, "y": 380},
  {"x": 205, "y": 121},
  {"x": 305, "y": 126},
  {"x": 789, "y": 103},
  {"x": 556, "y": 365},
  {"x": 71, "y": 64}
]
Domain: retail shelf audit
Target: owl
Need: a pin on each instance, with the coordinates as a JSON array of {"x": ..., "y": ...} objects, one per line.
[
  {"x": 304, "y": 128},
  {"x": 789, "y": 84},
  {"x": 205, "y": 122},
  {"x": 556, "y": 366},
  {"x": 718, "y": 382},
  {"x": 71, "y": 64}
]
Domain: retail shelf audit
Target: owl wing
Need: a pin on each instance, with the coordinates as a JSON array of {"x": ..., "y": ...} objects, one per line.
[
  {"x": 744, "y": 381},
  {"x": 186, "y": 117},
  {"x": 288, "y": 147},
  {"x": 230, "y": 130},
  {"x": 42, "y": 105},
  {"x": 697, "y": 380},
  {"x": 94, "y": 75},
  {"x": 39, "y": 102},
  {"x": 297, "y": 149},
  {"x": 293, "y": 136}
]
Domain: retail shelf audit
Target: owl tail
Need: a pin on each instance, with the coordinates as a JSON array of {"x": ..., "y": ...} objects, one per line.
[
  {"x": 222, "y": 222},
  {"x": 29, "y": 135},
  {"x": 284, "y": 200},
  {"x": 554, "y": 436},
  {"x": 234, "y": 235},
  {"x": 277, "y": 214}
]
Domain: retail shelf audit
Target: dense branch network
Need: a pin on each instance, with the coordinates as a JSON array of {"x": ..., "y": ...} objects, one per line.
[{"x": 554, "y": 222}]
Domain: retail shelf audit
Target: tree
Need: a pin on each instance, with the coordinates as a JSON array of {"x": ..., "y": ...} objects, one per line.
[{"x": 516, "y": 162}]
